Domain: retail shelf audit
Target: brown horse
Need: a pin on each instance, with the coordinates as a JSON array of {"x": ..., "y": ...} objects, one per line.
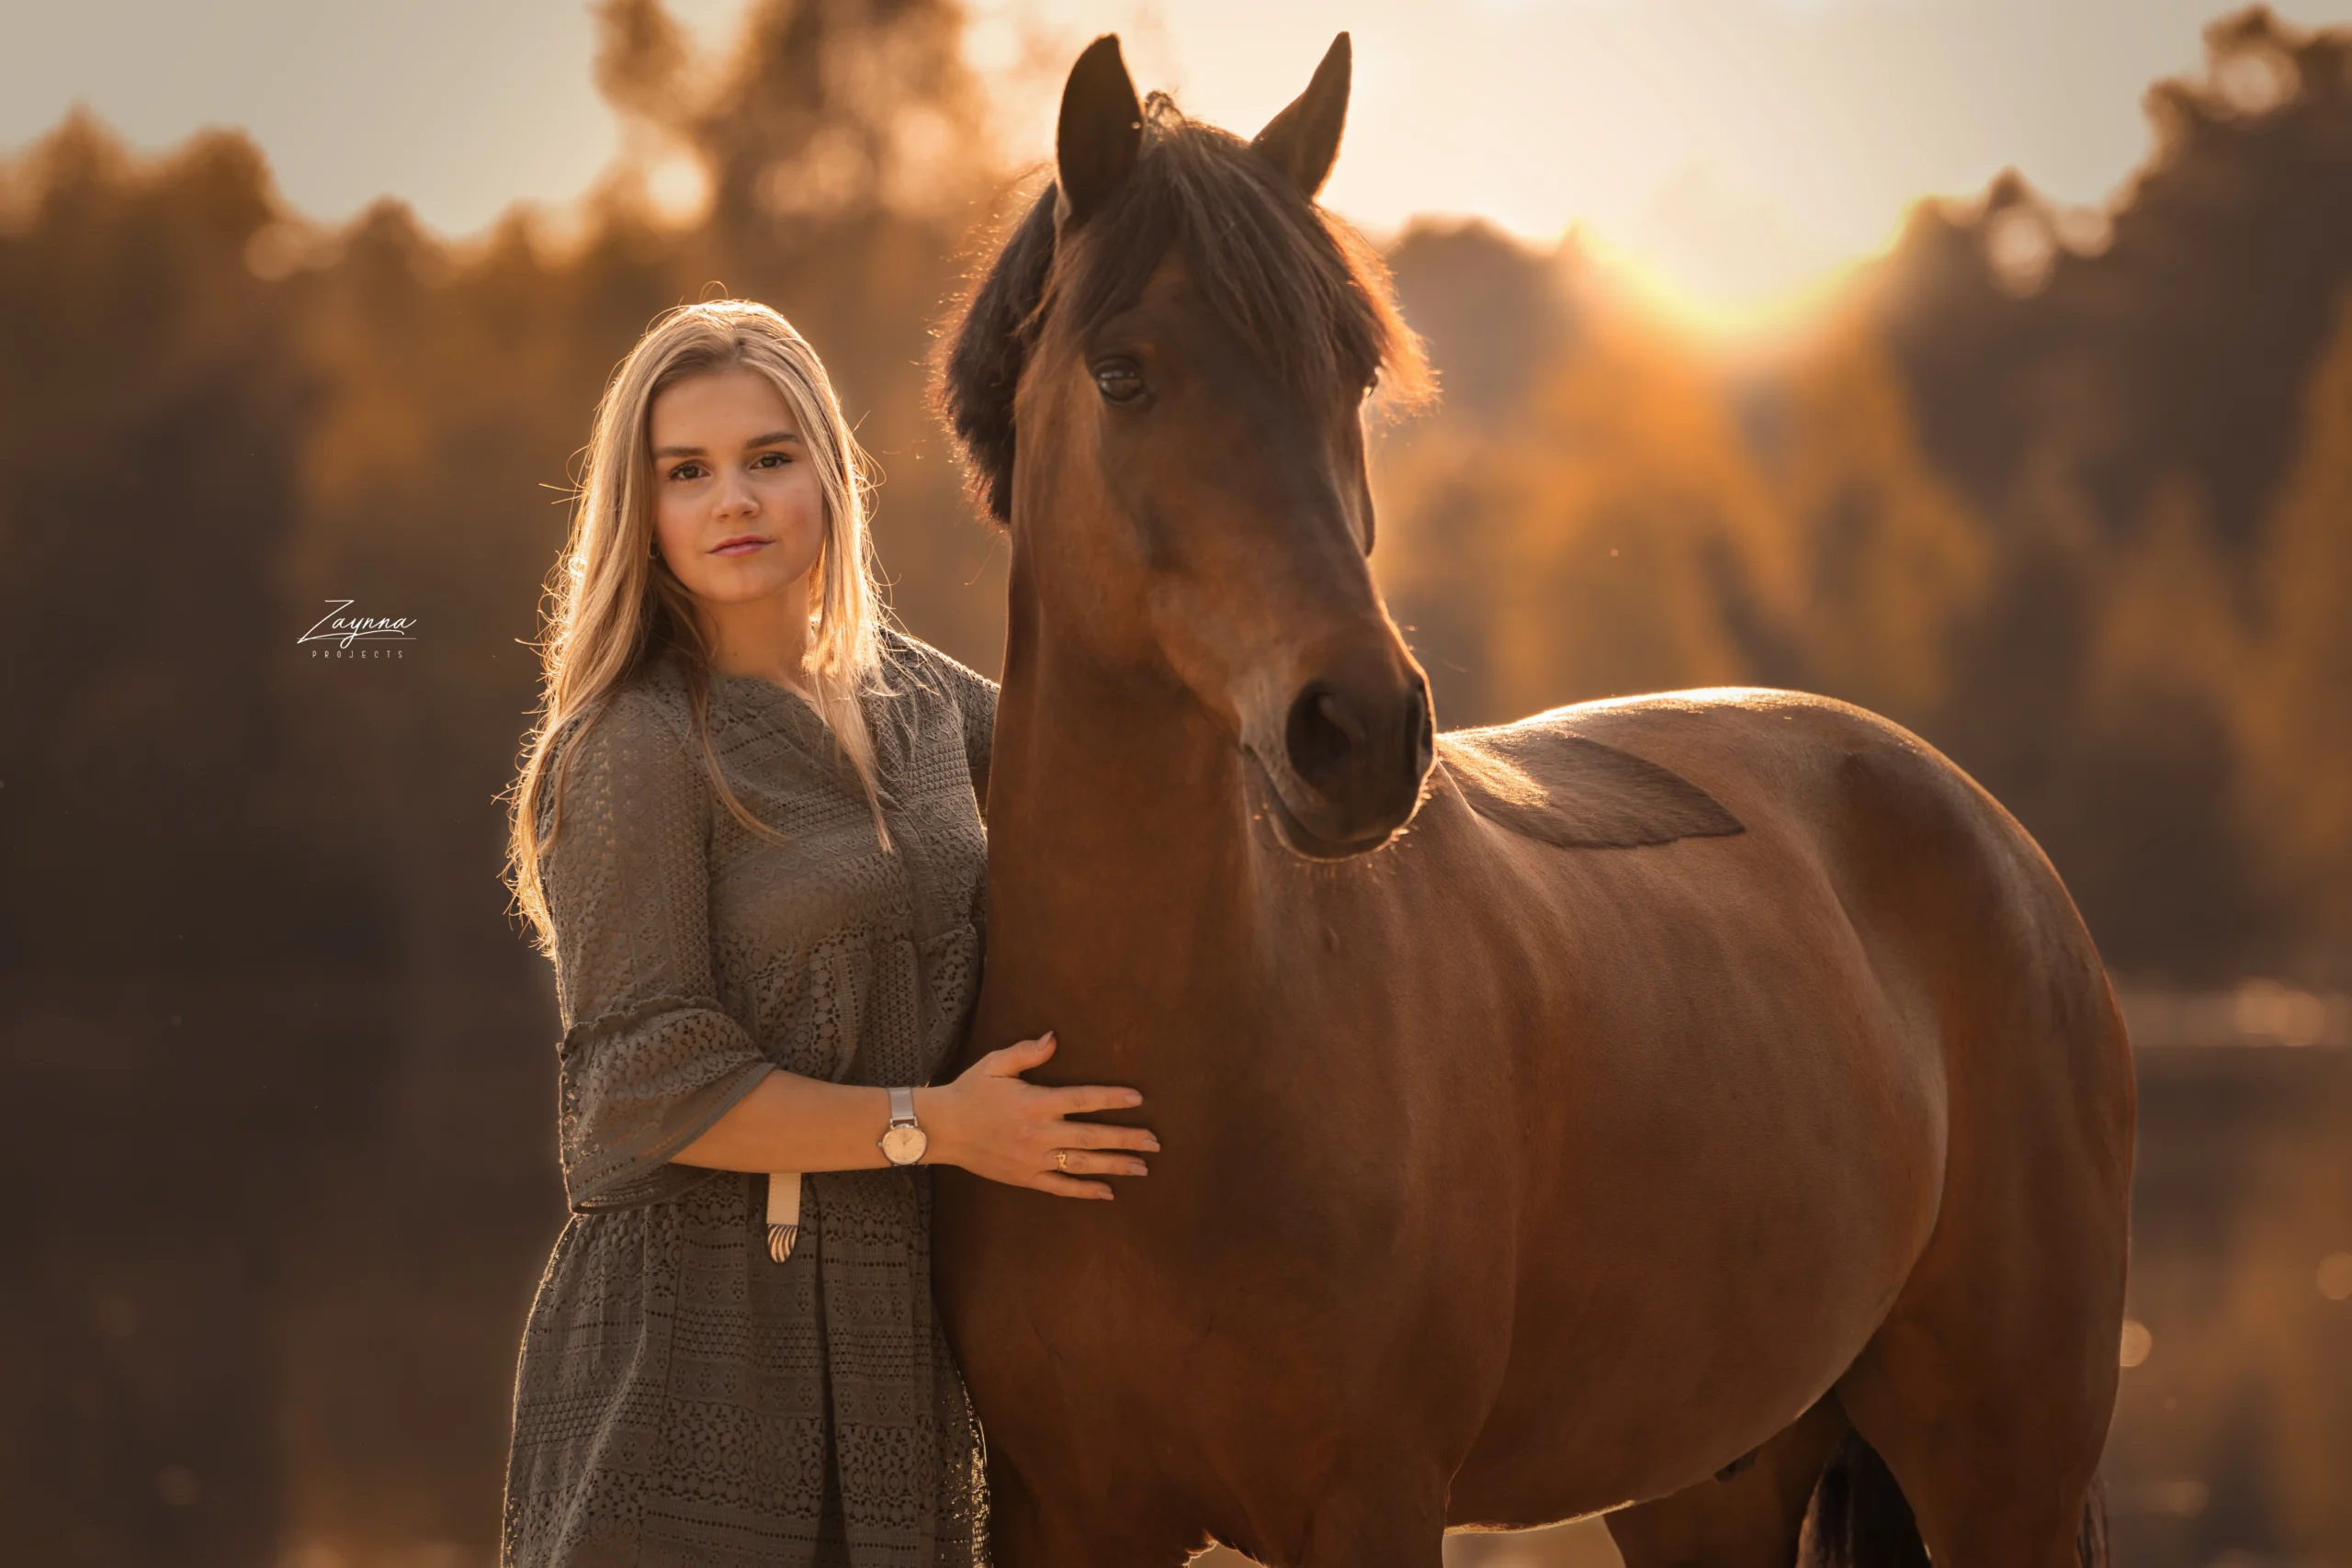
[{"x": 1699, "y": 1080}]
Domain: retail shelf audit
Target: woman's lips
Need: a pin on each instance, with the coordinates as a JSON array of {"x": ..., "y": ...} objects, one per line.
[{"x": 740, "y": 546}]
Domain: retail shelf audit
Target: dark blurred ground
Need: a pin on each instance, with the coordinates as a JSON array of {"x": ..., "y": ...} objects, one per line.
[{"x": 2070, "y": 496}]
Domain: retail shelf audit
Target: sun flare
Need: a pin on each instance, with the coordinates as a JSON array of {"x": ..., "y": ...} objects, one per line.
[{"x": 1718, "y": 305}]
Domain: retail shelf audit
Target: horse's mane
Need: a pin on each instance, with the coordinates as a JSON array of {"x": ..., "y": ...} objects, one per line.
[{"x": 1293, "y": 282}]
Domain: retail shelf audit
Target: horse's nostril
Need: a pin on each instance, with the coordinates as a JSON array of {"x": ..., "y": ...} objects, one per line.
[{"x": 1322, "y": 737}]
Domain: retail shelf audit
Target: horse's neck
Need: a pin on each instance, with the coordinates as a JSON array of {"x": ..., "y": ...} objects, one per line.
[
  {"x": 1128, "y": 782},
  {"x": 1117, "y": 832}
]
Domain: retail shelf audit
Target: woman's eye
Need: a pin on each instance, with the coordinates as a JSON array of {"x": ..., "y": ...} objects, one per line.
[
  {"x": 763, "y": 460},
  {"x": 1118, "y": 380},
  {"x": 686, "y": 471}
]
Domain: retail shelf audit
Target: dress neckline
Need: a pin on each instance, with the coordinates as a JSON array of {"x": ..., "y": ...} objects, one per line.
[
  {"x": 761, "y": 685},
  {"x": 744, "y": 696}
]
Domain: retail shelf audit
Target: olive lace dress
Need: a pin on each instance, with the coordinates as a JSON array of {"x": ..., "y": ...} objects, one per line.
[{"x": 682, "y": 1398}]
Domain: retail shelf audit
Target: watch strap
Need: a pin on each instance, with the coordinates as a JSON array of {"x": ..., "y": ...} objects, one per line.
[{"x": 902, "y": 1107}]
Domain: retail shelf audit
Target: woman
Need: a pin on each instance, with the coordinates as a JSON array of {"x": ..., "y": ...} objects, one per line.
[{"x": 747, "y": 831}]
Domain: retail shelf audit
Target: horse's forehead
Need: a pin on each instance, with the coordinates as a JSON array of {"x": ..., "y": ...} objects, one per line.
[
  {"x": 1169, "y": 293},
  {"x": 1169, "y": 308},
  {"x": 1171, "y": 285}
]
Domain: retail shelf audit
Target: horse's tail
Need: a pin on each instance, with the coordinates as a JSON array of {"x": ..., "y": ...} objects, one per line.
[
  {"x": 2090, "y": 1536},
  {"x": 1859, "y": 1519}
]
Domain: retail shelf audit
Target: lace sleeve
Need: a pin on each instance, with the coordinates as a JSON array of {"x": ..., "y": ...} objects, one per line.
[{"x": 648, "y": 1059}]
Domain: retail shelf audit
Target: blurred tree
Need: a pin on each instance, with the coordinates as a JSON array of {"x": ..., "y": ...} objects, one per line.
[
  {"x": 2297, "y": 703},
  {"x": 150, "y": 417},
  {"x": 1886, "y": 562},
  {"x": 2172, "y": 334},
  {"x": 1634, "y": 520},
  {"x": 1596, "y": 538},
  {"x": 1494, "y": 312}
]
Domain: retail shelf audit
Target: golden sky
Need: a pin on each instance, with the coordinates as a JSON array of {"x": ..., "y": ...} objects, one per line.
[{"x": 1732, "y": 150}]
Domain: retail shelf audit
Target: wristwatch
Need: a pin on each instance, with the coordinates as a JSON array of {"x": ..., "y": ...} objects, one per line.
[{"x": 903, "y": 1142}]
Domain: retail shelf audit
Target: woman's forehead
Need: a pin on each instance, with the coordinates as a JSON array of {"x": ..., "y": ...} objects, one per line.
[{"x": 732, "y": 402}]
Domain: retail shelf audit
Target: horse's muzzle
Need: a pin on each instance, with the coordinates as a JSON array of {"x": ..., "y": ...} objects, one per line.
[{"x": 1354, "y": 754}]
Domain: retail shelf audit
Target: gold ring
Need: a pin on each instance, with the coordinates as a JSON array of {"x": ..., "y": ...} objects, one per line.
[{"x": 1061, "y": 1161}]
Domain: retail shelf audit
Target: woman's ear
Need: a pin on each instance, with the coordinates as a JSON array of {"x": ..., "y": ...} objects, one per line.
[
  {"x": 1304, "y": 140},
  {"x": 1101, "y": 133}
]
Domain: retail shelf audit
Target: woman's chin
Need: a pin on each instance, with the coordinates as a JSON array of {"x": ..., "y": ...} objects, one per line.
[{"x": 745, "y": 579}]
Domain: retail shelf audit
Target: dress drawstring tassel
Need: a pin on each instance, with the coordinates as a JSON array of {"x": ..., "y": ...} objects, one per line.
[{"x": 784, "y": 1213}]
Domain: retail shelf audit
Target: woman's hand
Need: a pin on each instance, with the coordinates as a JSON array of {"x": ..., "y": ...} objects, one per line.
[{"x": 994, "y": 1124}]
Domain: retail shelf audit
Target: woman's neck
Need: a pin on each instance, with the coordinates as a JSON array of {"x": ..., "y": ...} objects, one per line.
[{"x": 763, "y": 638}]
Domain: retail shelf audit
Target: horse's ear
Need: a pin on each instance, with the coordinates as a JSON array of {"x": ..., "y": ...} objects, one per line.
[
  {"x": 1101, "y": 133},
  {"x": 1304, "y": 140}
]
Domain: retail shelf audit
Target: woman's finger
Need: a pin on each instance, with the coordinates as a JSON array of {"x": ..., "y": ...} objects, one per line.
[
  {"x": 1104, "y": 1135},
  {"x": 1091, "y": 1162},
  {"x": 1011, "y": 1061},
  {"x": 1091, "y": 1097},
  {"x": 1070, "y": 1186}
]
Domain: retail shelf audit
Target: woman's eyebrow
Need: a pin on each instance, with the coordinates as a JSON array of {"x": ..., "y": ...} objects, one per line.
[{"x": 772, "y": 438}]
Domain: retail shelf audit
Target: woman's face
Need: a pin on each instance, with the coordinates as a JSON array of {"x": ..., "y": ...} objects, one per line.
[{"x": 738, "y": 512}]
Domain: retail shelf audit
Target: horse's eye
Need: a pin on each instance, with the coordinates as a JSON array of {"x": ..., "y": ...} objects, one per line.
[{"x": 1119, "y": 380}]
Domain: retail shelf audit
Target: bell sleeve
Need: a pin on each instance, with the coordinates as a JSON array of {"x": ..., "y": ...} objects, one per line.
[{"x": 648, "y": 1059}]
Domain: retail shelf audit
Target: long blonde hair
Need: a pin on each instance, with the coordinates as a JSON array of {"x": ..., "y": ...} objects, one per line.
[{"x": 613, "y": 607}]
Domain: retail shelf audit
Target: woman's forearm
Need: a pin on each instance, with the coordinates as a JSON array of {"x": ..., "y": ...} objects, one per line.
[
  {"x": 990, "y": 1121},
  {"x": 791, "y": 1122}
]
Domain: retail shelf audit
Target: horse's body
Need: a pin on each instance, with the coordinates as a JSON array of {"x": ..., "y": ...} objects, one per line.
[{"x": 1506, "y": 1180}]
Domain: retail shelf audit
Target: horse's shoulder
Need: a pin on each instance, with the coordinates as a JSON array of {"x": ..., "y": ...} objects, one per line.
[
  {"x": 1644, "y": 770},
  {"x": 1547, "y": 779}
]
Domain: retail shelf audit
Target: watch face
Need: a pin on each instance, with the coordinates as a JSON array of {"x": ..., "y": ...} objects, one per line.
[{"x": 904, "y": 1145}]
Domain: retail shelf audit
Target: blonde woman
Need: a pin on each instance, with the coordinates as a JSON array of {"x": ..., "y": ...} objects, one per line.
[{"x": 747, "y": 833}]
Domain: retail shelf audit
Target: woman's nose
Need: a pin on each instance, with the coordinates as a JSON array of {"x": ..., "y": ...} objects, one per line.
[{"x": 736, "y": 496}]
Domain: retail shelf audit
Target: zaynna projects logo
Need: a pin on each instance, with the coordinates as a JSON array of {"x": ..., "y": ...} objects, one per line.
[{"x": 339, "y": 634}]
